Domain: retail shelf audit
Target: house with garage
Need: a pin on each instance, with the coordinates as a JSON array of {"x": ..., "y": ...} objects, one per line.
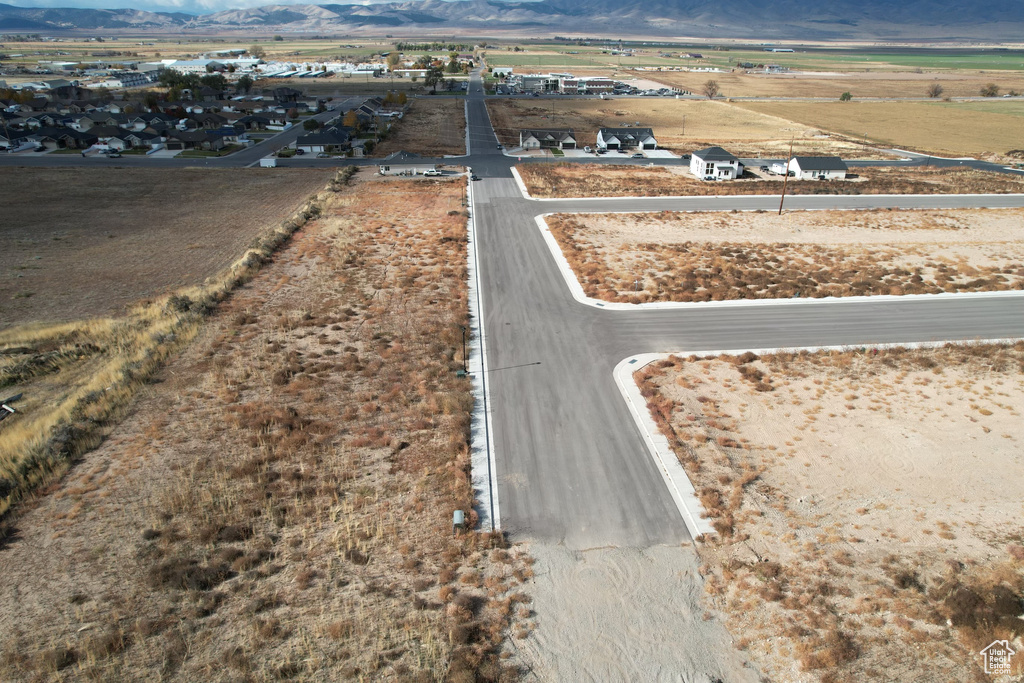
[
  {"x": 333, "y": 140},
  {"x": 714, "y": 163},
  {"x": 548, "y": 138},
  {"x": 818, "y": 168},
  {"x": 626, "y": 138}
]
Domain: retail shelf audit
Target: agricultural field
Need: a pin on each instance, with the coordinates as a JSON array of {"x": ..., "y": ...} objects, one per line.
[
  {"x": 278, "y": 504},
  {"x": 679, "y": 125},
  {"x": 104, "y": 239},
  {"x": 867, "y": 504},
  {"x": 155, "y": 48},
  {"x": 831, "y": 84},
  {"x": 432, "y": 127},
  {"x": 721, "y": 256},
  {"x": 982, "y": 129},
  {"x": 608, "y": 180}
]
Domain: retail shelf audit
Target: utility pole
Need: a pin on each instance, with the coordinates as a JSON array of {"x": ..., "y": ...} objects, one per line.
[
  {"x": 684, "y": 125},
  {"x": 786, "y": 178}
]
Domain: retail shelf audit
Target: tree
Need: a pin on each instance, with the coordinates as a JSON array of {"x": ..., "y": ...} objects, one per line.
[
  {"x": 215, "y": 81},
  {"x": 351, "y": 120},
  {"x": 393, "y": 60},
  {"x": 846, "y": 96},
  {"x": 151, "y": 100},
  {"x": 935, "y": 89},
  {"x": 402, "y": 98},
  {"x": 293, "y": 113},
  {"x": 433, "y": 76},
  {"x": 257, "y": 52},
  {"x": 244, "y": 84},
  {"x": 710, "y": 90},
  {"x": 311, "y": 124},
  {"x": 453, "y": 67},
  {"x": 279, "y": 38},
  {"x": 990, "y": 90}
]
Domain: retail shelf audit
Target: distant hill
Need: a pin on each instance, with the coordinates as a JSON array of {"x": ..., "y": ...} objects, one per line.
[{"x": 746, "y": 19}]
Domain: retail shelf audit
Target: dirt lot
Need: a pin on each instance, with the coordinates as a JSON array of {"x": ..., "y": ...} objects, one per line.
[
  {"x": 716, "y": 256},
  {"x": 868, "y": 505},
  {"x": 987, "y": 131},
  {"x": 593, "y": 180},
  {"x": 102, "y": 239},
  {"x": 832, "y": 85},
  {"x": 278, "y": 503},
  {"x": 679, "y": 125},
  {"x": 432, "y": 127}
]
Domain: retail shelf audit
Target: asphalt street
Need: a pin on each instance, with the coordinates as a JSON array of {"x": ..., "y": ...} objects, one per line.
[{"x": 572, "y": 467}]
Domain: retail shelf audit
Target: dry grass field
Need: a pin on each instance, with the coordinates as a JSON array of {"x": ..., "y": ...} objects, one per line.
[
  {"x": 605, "y": 180},
  {"x": 717, "y": 256},
  {"x": 431, "y": 127},
  {"x": 867, "y": 503},
  {"x": 105, "y": 238},
  {"x": 339, "y": 87},
  {"x": 679, "y": 125},
  {"x": 277, "y": 505},
  {"x": 953, "y": 129},
  {"x": 832, "y": 84}
]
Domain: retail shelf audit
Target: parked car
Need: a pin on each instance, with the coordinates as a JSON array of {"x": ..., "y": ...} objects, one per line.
[
  {"x": 601, "y": 150},
  {"x": 709, "y": 177},
  {"x": 638, "y": 155},
  {"x": 323, "y": 155},
  {"x": 764, "y": 169},
  {"x": 432, "y": 172},
  {"x": 474, "y": 177},
  {"x": 299, "y": 152},
  {"x": 113, "y": 155},
  {"x": 587, "y": 149}
]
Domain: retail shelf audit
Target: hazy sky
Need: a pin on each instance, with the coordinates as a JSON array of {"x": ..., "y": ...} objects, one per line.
[{"x": 191, "y": 6}]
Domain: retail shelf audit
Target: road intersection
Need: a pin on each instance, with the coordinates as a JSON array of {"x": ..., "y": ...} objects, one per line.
[{"x": 571, "y": 465}]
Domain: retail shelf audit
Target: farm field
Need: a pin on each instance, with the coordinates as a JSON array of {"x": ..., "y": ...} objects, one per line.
[
  {"x": 104, "y": 239},
  {"x": 831, "y": 84},
  {"x": 982, "y": 132},
  {"x": 867, "y": 504},
  {"x": 278, "y": 503},
  {"x": 432, "y": 127},
  {"x": 717, "y": 256},
  {"x": 679, "y": 125},
  {"x": 608, "y": 180}
]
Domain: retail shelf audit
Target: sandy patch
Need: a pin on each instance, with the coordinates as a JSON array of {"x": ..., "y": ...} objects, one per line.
[
  {"x": 714, "y": 255},
  {"x": 866, "y": 504},
  {"x": 624, "y": 614}
]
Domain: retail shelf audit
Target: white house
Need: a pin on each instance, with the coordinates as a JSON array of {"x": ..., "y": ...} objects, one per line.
[
  {"x": 562, "y": 138},
  {"x": 626, "y": 138},
  {"x": 714, "y": 163},
  {"x": 818, "y": 168}
]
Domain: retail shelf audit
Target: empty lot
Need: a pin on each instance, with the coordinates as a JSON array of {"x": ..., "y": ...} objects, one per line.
[
  {"x": 668, "y": 256},
  {"x": 867, "y": 503}
]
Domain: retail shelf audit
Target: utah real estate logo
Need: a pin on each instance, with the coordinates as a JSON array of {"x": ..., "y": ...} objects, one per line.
[{"x": 997, "y": 657}]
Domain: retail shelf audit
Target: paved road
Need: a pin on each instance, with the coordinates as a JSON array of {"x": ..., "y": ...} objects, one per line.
[{"x": 571, "y": 466}]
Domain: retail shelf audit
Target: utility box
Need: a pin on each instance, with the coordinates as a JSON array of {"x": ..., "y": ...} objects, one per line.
[{"x": 458, "y": 521}]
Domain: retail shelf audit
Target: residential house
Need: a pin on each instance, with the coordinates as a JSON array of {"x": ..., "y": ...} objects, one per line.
[
  {"x": 626, "y": 138},
  {"x": 818, "y": 168},
  {"x": 560, "y": 138},
  {"x": 328, "y": 140},
  {"x": 714, "y": 163}
]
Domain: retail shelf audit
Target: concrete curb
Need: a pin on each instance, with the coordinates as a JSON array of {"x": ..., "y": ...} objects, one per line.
[
  {"x": 576, "y": 289},
  {"x": 679, "y": 485},
  {"x": 519, "y": 181},
  {"x": 483, "y": 468}
]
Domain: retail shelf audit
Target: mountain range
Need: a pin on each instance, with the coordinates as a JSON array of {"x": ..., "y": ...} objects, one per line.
[{"x": 992, "y": 20}]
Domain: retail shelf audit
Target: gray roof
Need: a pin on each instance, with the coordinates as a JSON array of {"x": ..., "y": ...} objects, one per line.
[
  {"x": 627, "y": 133},
  {"x": 558, "y": 134},
  {"x": 821, "y": 163},
  {"x": 714, "y": 154}
]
